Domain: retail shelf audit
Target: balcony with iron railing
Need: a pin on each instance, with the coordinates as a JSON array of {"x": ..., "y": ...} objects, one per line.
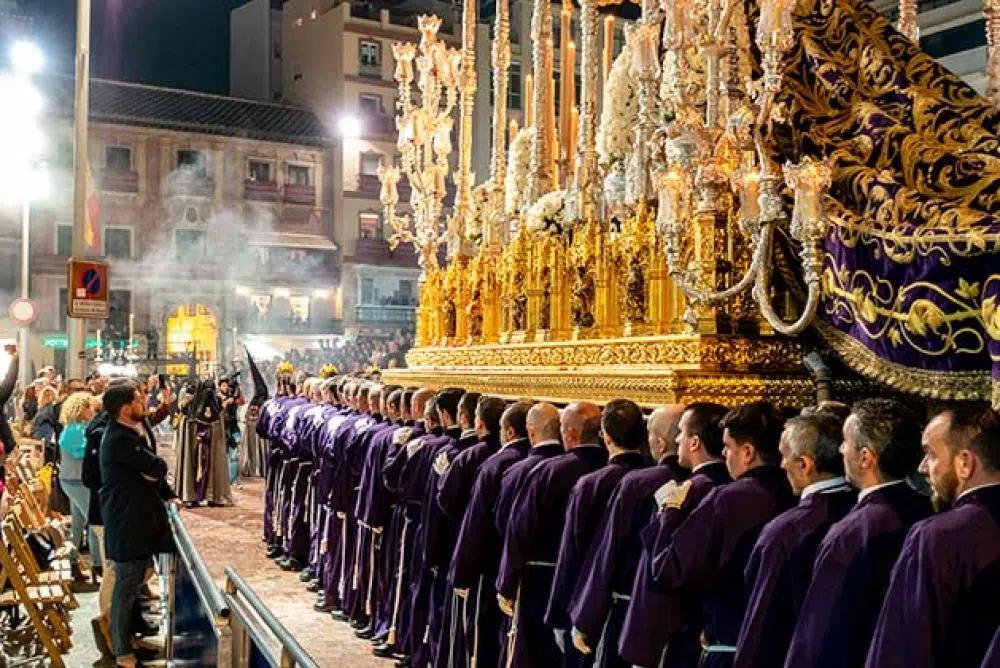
[
  {"x": 376, "y": 251},
  {"x": 297, "y": 194},
  {"x": 119, "y": 181},
  {"x": 383, "y": 314},
  {"x": 261, "y": 191},
  {"x": 290, "y": 326},
  {"x": 370, "y": 70},
  {"x": 369, "y": 184},
  {"x": 192, "y": 185}
]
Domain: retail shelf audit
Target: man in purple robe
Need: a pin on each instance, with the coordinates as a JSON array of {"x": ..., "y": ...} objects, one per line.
[
  {"x": 280, "y": 464},
  {"x": 700, "y": 449},
  {"x": 625, "y": 436},
  {"x": 372, "y": 512},
  {"x": 337, "y": 429},
  {"x": 320, "y": 485},
  {"x": 476, "y": 559},
  {"x": 401, "y": 482},
  {"x": 419, "y": 470},
  {"x": 299, "y": 514},
  {"x": 525, "y": 575},
  {"x": 454, "y": 491},
  {"x": 943, "y": 603},
  {"x": 439, "y": 544},
  {"x": 780, "y": 567},
  {"x": 707, "y": 554},
  {"x": 598, "y": 606},
  {"x": 881, "y": 449}
]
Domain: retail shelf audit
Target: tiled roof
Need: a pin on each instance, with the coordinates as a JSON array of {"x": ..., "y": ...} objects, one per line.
[{"x": 186, "y": 111}]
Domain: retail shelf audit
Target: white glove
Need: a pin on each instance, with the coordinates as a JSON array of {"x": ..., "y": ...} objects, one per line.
[
  {"x": 441, "y": 463},
  {"x": 401, "y": 435},
  {"x": 560, "y": 635},
  {"x": 413, "y": 447},
  {"x": 665, "y": 493}
]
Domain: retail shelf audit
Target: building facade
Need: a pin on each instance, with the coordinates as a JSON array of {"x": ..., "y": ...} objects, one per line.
[
  {"x": 214, "y": 215},
  {"x": 255, "y": 51}
]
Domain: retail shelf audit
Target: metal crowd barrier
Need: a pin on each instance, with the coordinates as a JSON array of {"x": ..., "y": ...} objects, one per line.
[{"x": 209, "y": 627}]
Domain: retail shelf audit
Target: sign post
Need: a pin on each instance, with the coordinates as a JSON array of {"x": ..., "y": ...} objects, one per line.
[{"x": 87, "y": 288}]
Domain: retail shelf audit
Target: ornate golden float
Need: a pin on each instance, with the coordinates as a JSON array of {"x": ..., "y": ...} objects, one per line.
[{"x": 674, "y": 246}]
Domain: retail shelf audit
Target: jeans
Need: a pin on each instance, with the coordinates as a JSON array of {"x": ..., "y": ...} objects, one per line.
[
  {"x": 129, "y": 578},
  {"x": 79, "y": 502}
]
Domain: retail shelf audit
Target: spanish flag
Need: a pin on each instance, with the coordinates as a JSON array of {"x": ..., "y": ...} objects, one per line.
[{"x": 92, "y": 222}]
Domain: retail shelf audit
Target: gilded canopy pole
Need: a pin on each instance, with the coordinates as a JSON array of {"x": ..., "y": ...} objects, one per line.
[
  {"x": 541, "y": 153},
  {"x": 908, "y": 19},
  {"x": 992, "y": 10},
  {"x": 586, "y": 148},
  {"x": 498, "y": 161},
  {"x": 466, "y": 104}
]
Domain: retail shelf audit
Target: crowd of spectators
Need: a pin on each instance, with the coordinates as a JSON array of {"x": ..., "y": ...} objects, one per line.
[{"x": 357, "y": 355}]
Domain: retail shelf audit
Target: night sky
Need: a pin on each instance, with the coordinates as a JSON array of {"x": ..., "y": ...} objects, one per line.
[{"x": 173, "y": 43}]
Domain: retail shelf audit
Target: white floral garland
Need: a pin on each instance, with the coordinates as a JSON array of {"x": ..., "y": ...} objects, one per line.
[
  {"x": 548, "y": 213},
  {"x": 478, "y": 210},
  {"x": 518, "y": 171},
  {"x": 619, "y": 111}
]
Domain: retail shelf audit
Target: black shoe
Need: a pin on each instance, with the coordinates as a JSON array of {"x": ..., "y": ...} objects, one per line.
[
  {"x": 365, "y": 633},
  {"x": 313, "y": 585},
  {"x": 291, "y": 564},
  {"x": 403, "y": 663},
  {"x": 274, "y": 551},
  {"x": 384, "y": 651},
  {"x": 306, "y": 575},
  {"x": 338, "y": 615},
  {"x": 320, "y": 606},
  {"x": 358, "y": 624}
]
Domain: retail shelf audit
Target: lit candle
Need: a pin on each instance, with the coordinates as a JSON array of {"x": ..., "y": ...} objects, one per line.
[
  {"x": 550, "y": 118},
  {"x": 609, "y": 44},
  {"x": 566, "y": 74},
  {"x": 513, "y": 129},
  {"x": 574, "y": 132},
  {"x": 529, "y": 101}
]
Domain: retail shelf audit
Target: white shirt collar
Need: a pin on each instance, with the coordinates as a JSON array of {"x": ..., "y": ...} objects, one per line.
[
  {"x": 587, "y": 445},
  {"x": 467, "y": 433},
  {"x": 865, "y": 492},
  {"x": 973, "y": 489},
  {"x": 822, "y": 486},
  {"x": 703, "y": 465},
  {"x": 548, "y": 442}
]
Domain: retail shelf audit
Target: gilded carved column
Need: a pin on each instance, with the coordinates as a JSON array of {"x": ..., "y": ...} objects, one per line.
[
  {"x": 587, "y": 173},
  {"x": 466, "y": 104},
  {"x": 542, "y": 181},
  {"x": 992, "y": 10},
  {"x": 498, "y": 161}
]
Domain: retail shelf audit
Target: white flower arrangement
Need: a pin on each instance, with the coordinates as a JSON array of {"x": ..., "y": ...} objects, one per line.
[
  {"x": 478, "y": 211},
  {"x": 548, "y": 214},
  {"x": 619, "y": 111},
  {"x": 518, "y": 171}
]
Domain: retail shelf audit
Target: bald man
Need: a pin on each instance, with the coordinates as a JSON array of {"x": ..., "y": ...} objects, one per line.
[
  {"x": 475, "y": 561},
  {"x": 601, "y": 597},
  {"x": 537, "y": 516}
]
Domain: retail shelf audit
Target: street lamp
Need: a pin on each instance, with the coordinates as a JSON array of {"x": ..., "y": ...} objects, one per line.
[
  {"x": 22, "y": 175},
  {"x": 349, "y": 126}
]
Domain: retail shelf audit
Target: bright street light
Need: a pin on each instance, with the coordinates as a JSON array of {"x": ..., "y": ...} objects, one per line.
[
  {"x": 27, "y": 58},
  {"x": 350, "y": 127}
]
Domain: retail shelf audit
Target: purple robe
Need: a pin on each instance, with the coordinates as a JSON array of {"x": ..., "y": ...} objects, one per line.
[
  {"x": 606, "y": 577},
  {"x": 850, "y": 579},
  {"x": 992, "y": 658},
  {"x": 372, "y": 512},
  {"x": 943, "y": 603},
  {"x": 402, "y": 531},
  {"x": 780, "y": 570},
  {"x": 454, "y": 491},
  {"x": 320, "y": 486},
  {"x": 709, "y": 551},
  {"x": 476, "y": 558},
  {"x": 439, "y": 545},
  {"x": 276, "y": 458},
  {"x": 648, "y": 607},
  {"x": 425, "y": 587},
  {"x": 341, "y": 529}
]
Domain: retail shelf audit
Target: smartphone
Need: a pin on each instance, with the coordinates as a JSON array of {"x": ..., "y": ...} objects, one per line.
[{"x": 162, "y": 378}]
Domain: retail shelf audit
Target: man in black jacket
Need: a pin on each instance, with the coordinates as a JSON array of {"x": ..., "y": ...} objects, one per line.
[{"x": 135, "y": 519}]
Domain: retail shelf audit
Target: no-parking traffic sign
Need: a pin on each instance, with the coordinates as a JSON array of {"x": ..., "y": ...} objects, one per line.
[{"x": 87, "y": 289}]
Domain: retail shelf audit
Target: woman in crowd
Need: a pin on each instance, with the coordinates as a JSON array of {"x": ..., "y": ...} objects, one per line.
[
  {"x": 45, "y": 428},
  {"x": 77, "y": 412}
]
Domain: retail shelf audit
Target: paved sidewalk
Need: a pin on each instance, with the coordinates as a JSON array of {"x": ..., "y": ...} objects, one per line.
[{"x": 232, "y": 537}]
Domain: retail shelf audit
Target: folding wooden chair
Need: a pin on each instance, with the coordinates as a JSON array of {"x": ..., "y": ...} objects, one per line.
[
  {"x": 42, "y": 602},
  {"x": 60, "y": 570}
]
